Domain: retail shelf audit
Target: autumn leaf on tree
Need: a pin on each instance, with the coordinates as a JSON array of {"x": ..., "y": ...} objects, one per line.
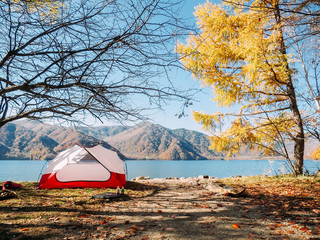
[{"x": 241, "y": 53}]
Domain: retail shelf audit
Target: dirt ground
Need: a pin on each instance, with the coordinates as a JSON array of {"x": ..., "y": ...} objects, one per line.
[
  {"x": 200, "y": 210},
  {"x": 167, "y": 209}
]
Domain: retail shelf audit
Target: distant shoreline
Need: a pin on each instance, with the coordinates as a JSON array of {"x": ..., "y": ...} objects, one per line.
[{"x": 232, "y": 159}]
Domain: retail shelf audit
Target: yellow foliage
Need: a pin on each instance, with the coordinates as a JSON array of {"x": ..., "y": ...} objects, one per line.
[
  {"x": 234, "y": 55},
  {"x": 259, "y": 135},
  {"x": 237, "y": 53},
  {"x": 316, "y": 154},
  {"x": 48, "y": 9},
  {"x": 208, "y": 121}
]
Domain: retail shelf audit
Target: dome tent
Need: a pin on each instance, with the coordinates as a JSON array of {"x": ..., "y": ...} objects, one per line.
[{"x": 84, "y": 167}]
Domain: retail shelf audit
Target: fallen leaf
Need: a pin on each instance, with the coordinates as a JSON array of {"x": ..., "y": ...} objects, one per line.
[
  {"x": 235, "y": 225},
  {"x": 159, "y": 211},
  {"x": 135, "y": 227},
  {"x": 303, "y": 229},
  {"x": 272, "y": 226},
  {"x": 169, "y": 229},
  {"x": 24, "y": 229},
  {"x": 219, "y": 205}
]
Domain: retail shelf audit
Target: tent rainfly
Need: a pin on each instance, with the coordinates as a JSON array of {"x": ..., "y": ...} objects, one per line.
[{"x": 84, "y": 167}]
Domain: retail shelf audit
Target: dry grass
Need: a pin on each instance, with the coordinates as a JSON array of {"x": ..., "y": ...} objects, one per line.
[
  {"x": 55, "y": 213},
  {"x": 275, "y": 208}
]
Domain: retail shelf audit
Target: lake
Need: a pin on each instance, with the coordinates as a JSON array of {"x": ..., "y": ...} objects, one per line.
[{"x": 26, "y": 170}]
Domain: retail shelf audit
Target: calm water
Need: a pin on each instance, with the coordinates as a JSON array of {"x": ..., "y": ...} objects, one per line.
[{"x": 25, "y": 170}]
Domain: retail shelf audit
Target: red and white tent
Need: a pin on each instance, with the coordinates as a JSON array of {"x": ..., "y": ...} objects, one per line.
[{"x": 84, "y": 167}]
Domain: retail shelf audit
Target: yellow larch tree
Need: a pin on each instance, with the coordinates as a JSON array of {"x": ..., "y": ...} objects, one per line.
[{"x": 240, "y": 53}]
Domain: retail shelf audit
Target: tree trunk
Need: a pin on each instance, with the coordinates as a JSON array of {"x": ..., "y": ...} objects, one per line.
[{"x": 299, "y": 134}]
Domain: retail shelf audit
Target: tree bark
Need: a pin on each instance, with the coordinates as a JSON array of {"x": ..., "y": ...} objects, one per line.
[{"x": 299, "y": 134}]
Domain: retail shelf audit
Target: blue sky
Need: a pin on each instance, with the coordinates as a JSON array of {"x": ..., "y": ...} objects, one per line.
[
  {"x": 202, "y": 101},
  {"x": 180, "y": 78}
]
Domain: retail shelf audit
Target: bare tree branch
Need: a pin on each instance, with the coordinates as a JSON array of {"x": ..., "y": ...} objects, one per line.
[{"x": 92, "y": 57}]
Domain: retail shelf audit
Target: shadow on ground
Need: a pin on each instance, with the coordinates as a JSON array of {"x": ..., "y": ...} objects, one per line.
[{"x": 162, "y": 210}]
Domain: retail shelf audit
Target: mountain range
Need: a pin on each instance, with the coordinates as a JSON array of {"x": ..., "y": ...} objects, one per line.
[{"x": 27, "y": 139}]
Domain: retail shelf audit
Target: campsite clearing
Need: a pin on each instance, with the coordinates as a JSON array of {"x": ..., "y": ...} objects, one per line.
[{"x": 272, "y": 208}]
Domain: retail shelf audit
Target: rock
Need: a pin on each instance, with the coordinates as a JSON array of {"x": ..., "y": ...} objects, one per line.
[
  {"x": 219, "y": 188},
  {"x": 203, "y": 177},
  {"x": 157, "y": 179},
  {"x": 140, "y": 178},
  {"x": 317, "y": 173},
  {"x": 171, "y": 178}
]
